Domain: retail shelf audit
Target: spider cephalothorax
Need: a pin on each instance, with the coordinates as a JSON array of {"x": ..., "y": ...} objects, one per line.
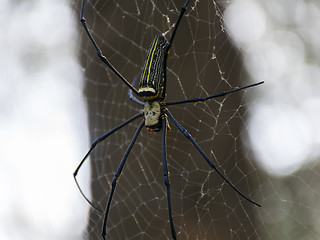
[
  {"x": 152, "y": 90},
  {"x": 152, "y": 116}
]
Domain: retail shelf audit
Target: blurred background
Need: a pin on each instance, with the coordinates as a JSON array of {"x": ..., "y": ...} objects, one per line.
[
  {"x": 43, "y": 121},
  {"x": 56, "y": 97}
]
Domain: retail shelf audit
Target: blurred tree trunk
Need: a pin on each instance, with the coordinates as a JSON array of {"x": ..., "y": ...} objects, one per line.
[{"x": 124, "y": 33}]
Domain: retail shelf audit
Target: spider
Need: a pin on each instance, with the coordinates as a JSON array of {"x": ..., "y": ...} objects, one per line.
[{"x": 152, "y": 90}]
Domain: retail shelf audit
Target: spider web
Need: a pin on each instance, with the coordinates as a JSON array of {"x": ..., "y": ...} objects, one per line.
[{"x": 203, "y": 60}]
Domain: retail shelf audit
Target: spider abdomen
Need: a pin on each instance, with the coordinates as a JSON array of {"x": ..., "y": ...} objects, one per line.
[{"x": 151, "y": 86}]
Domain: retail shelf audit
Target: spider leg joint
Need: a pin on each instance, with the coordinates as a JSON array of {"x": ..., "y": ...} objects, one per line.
[{"x": 166, "y": 180}]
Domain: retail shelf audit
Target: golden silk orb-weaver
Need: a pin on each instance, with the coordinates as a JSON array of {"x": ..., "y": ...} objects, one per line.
[{"x": 152, "y": 92}]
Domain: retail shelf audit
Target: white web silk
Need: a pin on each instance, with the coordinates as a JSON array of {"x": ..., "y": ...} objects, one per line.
[{"x": 203, "y": 60}]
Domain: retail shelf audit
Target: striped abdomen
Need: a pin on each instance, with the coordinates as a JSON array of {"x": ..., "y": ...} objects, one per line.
[{"x": 152, "y": 84}]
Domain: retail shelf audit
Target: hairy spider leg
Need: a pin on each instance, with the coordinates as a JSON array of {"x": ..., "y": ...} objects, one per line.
[
  {"x": 93, "y": 145},
  {"x": 99, "y": 52},
  {"x": 212, "y": 165},
  {"x": 212, "y": 96},
  {"x": 117, "y": 176},
  {"x": 166, "y": 174}
]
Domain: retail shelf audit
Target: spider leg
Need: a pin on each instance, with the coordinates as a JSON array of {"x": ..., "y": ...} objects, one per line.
[
  {"x": 93, "y": 145},
  {"x": 133, "y": 98},
  {"x": 183, "y": 9},
  {"x": 117, "y": 176},
  {"x": 166, "y": 175},
  {"x": 188, "y": 136},
  {"x": 212, "y": 96},
  {"x": 99, "y": 52}
]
